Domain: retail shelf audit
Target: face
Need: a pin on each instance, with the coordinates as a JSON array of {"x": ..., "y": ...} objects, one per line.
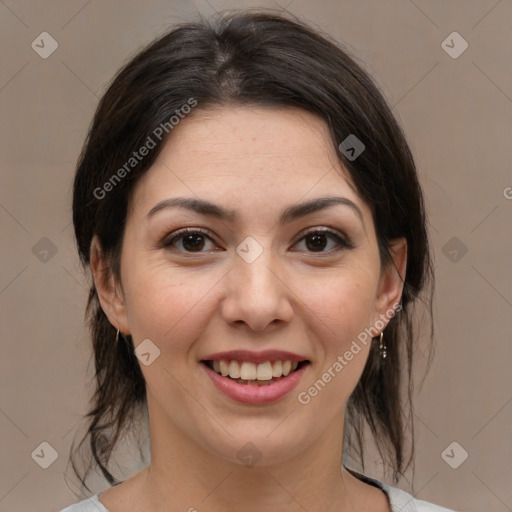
[{"x": 253, "y": 272}]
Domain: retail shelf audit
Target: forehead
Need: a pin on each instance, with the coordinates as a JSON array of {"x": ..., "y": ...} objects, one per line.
[
  {"x": 258, "y": 134},
  {"x": 232, "y": 152}
]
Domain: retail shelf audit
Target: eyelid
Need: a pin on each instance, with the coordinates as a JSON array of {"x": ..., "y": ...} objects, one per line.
[
  {"x": 341, "y": 239},
  {"x": 168, "y": 240}
]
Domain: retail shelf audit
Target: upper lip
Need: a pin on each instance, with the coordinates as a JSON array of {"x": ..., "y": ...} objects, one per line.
[{"x": 255, "y": 357}]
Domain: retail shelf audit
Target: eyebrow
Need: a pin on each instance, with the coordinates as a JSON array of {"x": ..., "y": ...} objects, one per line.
[{"x": 289, "y": 214}]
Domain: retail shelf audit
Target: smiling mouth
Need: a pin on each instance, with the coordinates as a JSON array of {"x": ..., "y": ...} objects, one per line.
[{"x": 251, "y": 374}]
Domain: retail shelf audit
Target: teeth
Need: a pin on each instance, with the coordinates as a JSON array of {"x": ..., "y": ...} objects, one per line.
[
  {"x": 264, "y": 371},
  {"x": 224, "y": 370},
  {"x": 234, "y": 370},
  {"x": 277, "y": 371},
  {"x": 247, "y": 371}
]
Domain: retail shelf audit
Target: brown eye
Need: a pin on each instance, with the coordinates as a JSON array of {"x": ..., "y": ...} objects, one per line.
[
  {"x": 193, "y": 242},
  {"x": 189, "y": 241},
  {"x": 316, "y": 241},
  {"x": 319, "y": 240}
]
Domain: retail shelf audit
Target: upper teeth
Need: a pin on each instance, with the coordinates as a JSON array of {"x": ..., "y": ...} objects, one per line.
[{"x": 252, "y": 371}]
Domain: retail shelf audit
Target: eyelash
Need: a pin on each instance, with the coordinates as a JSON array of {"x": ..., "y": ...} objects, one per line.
[{"x": 342, "y": 243}]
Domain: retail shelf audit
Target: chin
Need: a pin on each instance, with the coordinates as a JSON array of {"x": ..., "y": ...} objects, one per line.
[{"x": 257, "y": 449}]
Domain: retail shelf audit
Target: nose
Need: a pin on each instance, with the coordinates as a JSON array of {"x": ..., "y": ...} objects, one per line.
[{"x": 257, "y": 294}]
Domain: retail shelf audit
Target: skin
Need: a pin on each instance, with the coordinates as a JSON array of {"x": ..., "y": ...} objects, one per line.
[{"x": 256, "y": 161}]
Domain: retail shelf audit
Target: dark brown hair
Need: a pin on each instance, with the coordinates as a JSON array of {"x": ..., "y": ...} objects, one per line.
[{"x": 252, "y": 58}]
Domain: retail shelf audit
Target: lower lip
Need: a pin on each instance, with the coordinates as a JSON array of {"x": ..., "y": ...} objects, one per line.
[{"x": 248, "y": 394}]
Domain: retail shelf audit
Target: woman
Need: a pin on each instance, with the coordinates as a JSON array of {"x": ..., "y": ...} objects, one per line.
[{"x": 252, "y": 218}]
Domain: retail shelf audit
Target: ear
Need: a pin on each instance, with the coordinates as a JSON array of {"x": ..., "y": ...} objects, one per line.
[
  {"x": 391, "y": 282},
  {"x": 109, "y": 290}
]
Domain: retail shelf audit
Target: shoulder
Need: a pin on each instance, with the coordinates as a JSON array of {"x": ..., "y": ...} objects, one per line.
[
  {"x": 402, "y": 501},
  {"x": 92, "y": 504}
]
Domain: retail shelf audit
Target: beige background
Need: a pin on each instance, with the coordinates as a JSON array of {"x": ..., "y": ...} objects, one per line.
[{"x": 457, "y": 114}]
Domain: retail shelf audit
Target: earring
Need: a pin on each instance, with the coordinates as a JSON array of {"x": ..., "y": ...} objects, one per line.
[
  {"x": 117, "y": 337},
  {"x": 382, "y": 347}
]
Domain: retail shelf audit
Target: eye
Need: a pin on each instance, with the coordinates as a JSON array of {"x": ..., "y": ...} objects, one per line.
[
  {"x": 196, "y": 240},
  {"x": 189, "y": 240},
  {"x": 317, "y": 240}
]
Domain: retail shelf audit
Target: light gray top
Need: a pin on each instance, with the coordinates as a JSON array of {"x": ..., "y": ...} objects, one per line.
[{"x": 400, "y": 501}]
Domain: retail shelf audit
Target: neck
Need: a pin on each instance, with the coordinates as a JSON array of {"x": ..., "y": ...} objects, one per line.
[{"x": 190, "y": 477}]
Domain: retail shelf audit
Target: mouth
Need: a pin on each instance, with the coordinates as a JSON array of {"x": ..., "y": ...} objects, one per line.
[
  {"x": 255, "y": 374},
  {"x": 257, "y": 382}
]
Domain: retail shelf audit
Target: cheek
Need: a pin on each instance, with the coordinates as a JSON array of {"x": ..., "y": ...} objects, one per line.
[
  {"x": 343, "y": 304},
  {"x": 169, "y": 306},
  {"x": 340, "y": 311}
]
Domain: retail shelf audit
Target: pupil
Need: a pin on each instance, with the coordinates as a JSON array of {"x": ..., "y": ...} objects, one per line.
[
  {"x": 317, "y": 241},
  {"x": 193, "y": 241}
]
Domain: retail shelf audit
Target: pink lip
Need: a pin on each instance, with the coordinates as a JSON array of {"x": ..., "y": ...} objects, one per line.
[
  {"x": 248, "y": 394},
  {"x": 255, "y": 357}
]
